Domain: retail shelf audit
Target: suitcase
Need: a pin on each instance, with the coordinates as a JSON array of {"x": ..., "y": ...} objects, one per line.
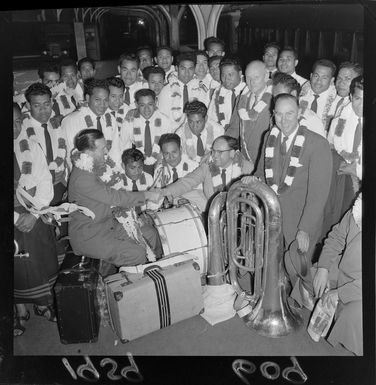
[
  {"x": 142, "y": 303},
  {"x": 78, "y": 315}
]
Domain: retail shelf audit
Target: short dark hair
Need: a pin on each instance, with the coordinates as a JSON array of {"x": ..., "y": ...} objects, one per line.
[
  {"x": 114, "y": 81},
  {"x": 165, "y": 47},
  {"x": 213, "y": 40},
  {"x": 325, "y": 63},
  {"x": 272, "y": 44},
  {"x": 85, "y": 139},
  {"x": 233, "y": 143},
  {"x": 287, "y": 80},
  {"x": 85, "y": 60},
  {"x": 67, "y": 62},
  {"x": 356, "y": 67},
  {"x": 202, "y": 53},
  {"x": 129, "y": 57},
  {"x": 190, "y": 56},
  {"x": 48, "y": 66},
  {"x": 169, "y": 138},
  {"x": 144, "y": 48},
  {"x": 291, "y": 49},
  {"x": 230, "y": 61},
  {"x": 286, "y": 97},
  {"x": 144, "y": 92},
  {"x": 195, "y": 107},
  {"x": 214, "y": 58},
  {"x": 147, "y": 71},
  {"x": 357, "y": 82},
  {"x": 132, "y": 155},
  {"x": 37, "y": 89},
  {"x": 90, "y": 84}
]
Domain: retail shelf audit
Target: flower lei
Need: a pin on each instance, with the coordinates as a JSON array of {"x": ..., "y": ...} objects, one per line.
[
  {"x": 357, "y": 211},
  {"x": 112, "y": 177},
  {"x": 303, "y": 104},
  {"x": 58, "y": 164},
  {"x": 294, "y": 159},
  {"x": 176, "y": 97},
  {"x": 25, "y": 159},
  {"x": 188, "y": 143},
  {"x": 252, "y": 114},
  {"x": 237, "y": 164}
]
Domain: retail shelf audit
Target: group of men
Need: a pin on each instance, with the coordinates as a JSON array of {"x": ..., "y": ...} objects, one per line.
[{"x": 197, "y": 126}]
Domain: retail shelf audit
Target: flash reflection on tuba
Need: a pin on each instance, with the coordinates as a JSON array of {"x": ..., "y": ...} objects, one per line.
[{"x": 253, "y": 236}]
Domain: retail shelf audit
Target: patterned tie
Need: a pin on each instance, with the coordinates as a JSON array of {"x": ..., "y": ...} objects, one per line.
[
  {"x": 200, "y": 146},
  {"x": 47, "y": 137},
  {"x": 135, "y": 188},
  {"x": 314, "y": 103},
  {"x": 185, "y": 95},
  {"x": 233, "y": 100},
  {"x": 127, "y": 96},
  {"x": 340, "y": 101},
  {"x": 99, "y": 125},
  {"x": 223, "y": 176},
  {"x": 283, "y": 148},
  {"x": 147, "y": 146},
  {"x": 74, "y": 101},
  {"x": 357, "y": 135},
  {"x": 175, "y": 176}
]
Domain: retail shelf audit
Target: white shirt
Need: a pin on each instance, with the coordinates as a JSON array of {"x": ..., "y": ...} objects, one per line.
[
  {"x": 314, "y": 123},
  {"x": 133, "y": 88},
  {"x": 334, "y": 111},
  {"x": 140, "y": 187},
  {"x": 290, "y": 138},
  {"x": 321, "y": 100}
]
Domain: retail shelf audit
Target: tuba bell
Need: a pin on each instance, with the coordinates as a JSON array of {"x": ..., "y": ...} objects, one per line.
[{"x": 245, "y": 240}]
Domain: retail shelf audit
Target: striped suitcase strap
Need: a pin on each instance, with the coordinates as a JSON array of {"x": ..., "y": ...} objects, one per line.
[{"x": 162, "y": 297}]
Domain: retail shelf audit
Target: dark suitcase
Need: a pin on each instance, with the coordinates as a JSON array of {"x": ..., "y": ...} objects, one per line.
[{"x": 78, "y": 315}]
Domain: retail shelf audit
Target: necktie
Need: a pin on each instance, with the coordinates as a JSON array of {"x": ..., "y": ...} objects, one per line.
[
  {"x": 113, "y": 113},
  {"x": 147, "y": 146},
  {"x": 223, "y": 176},
  {"x": 99, "y": 125},
  {"x": 233, "y": 100},
  {"x": 74, "y": 101},
  {"x": 16, "y": 168},
  {"x": 270, "y": 74},
  {"x": 127, "y": 96},
  {"x": 357, "y": 135},
  {"x": 185, "y": 95},
  {"x": 174, "y": 174},
  {"x": 338, "y": 105},
  {"x": 135, "y": 188},
  {"x": 200, "y": 146},
  {"x": 283, "y": 149},
  {"x": 47, "y": 137},
  {"x": 314, "y": 103}
]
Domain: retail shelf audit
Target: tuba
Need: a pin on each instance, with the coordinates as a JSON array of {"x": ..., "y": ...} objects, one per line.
[{"x": 245, "y": 240}]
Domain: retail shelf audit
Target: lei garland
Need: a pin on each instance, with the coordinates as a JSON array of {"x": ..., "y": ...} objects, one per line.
[
  {"x": 176, "y": 96},
  {"x": 294, "y": 159},
  {"x": 112, "y": 177},
  {"x": 252, "y": 114},
  {"x": 215, "y": 172},
  {"x": 26, "y": 161},
  {"x": 58, "y": 163},
  {"x": 190, "y": 148},
  {"x": 223, "y": 110},
  {"x": 303, "y": 104}
]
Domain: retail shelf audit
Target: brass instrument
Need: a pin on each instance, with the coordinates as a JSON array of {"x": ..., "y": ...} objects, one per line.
[{"x": 253, "y": 234}]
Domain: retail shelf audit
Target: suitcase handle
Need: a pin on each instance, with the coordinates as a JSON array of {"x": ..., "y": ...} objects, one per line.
[{"x": 152, "y": 267}]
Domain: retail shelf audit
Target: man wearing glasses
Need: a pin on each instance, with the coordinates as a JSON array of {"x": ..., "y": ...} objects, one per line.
[{"x": 224, "y": 166}]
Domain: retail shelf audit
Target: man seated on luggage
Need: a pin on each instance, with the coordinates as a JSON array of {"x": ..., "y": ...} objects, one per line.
[
  {"x": 216, "y": 173},
  {"x": 103, "y": 237}
]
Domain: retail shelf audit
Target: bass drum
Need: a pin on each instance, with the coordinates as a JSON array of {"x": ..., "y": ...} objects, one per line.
[{"x": 181, "y": 231}]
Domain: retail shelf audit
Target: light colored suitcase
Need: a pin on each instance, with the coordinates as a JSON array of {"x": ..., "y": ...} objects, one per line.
[{"x": 139, "y": 304}]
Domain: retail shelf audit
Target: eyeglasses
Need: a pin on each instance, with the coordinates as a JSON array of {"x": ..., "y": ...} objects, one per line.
[{"x": 219, "y": 152}]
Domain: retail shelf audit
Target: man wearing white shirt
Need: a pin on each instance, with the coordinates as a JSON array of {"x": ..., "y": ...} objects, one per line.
[
  {"x": 287, "y": 62},
  {"x": 145, "y": 55},
  {"x": 286, "y": 84},
  {"x": 270, "y": 56},
  {"x": 214, "y": 46},
  {"x": 203, "y": 75},
  {"x": 155, "y": 76},
  {"x": 224, "y": 100},
  {"x": 346, "y": 73},
  {"x": 95, "y": 116},
  {"x": 198, "y": 132},
  {"x": 319, "y": 93},
  {"x": 72, "y": 95},
  {"x": 345, "y": 138},
  {"x": 215, "y": 73},
  {"x": 180, "y": 90},
  {"x": 164, "y": 58},
  {"x": 129, "y": 65},
  {"x": 144, "y": 126}
]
